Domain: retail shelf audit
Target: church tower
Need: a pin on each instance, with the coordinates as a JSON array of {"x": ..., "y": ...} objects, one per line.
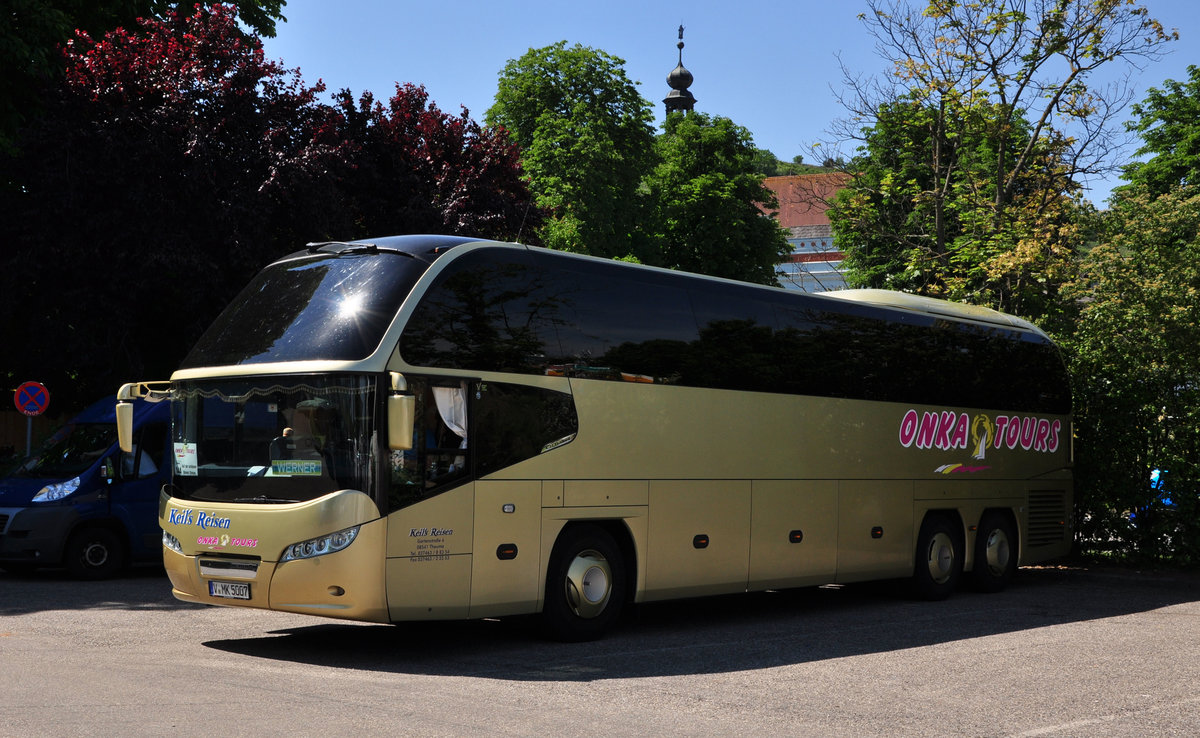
[{"x": 679, "y": 80}]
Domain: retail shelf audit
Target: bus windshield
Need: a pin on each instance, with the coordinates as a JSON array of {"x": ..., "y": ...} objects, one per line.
[
  {"x": 273, "y": 439},
  {"x": 319, "y": 306}
]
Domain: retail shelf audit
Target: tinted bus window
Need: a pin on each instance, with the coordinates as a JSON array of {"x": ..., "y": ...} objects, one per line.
[
  {"x": 514, "y": 423},
  {"x": 278, "y": 318},
  {"x": 489, "y": 310},
  {"x": 616, "y": 324},
  {"x": 543, "y": 313}
]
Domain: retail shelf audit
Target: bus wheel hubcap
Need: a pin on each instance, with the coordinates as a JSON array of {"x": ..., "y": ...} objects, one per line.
[
  {"x": 998, "y": 552},
  {"x": 589, "y": 583},
  {"x": 941, "y": 558}
]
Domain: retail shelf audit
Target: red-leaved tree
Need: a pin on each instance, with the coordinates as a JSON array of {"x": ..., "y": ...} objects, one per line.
[
  {"x": 420, "y": 170},
  {"x": 174, "y": 161}
]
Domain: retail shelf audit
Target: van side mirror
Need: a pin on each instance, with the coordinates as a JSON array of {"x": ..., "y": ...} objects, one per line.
[
  {"x": 125, "y": 426},
  {"x": 401, "y": 411}
]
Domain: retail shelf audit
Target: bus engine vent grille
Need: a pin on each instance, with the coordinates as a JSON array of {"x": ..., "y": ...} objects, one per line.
[{"x": 1047, "y": 517}]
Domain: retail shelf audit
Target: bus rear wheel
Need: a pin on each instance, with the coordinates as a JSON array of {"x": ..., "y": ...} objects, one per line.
[
  {"x": 939, "y": 559},
  {"x": 585, "y": 587},
  {"x": 995, "y": 553}
]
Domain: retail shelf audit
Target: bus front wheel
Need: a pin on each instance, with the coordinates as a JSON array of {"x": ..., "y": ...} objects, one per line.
[
  {"x": 995, "y": 553},
  {"x": 585, "y": 587},
  {"x": 939, "y": 559}
]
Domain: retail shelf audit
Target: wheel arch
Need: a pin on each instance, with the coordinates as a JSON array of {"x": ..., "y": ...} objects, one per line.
[
  {"x": 1013, "y": 519},
  {"x": 108, "y": 522},
  {"x": 952, "y": 514},
  {"x": 621, "y": 534}
]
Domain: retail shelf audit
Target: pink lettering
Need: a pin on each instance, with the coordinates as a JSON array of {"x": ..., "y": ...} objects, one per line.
[
  {"x": 928, "y": 430},
  {"x": 948, "y": 430},
  {"x": 959, "y": 439},
  {"x": 1001, "y": 421},
  {"x": 1043, "y": 430},
  {"x": 1013, "y": 436},
  {"x": 908, "y": 428},
  {"x": 945, "y": 425},
  {"x": 1028, "y": 426}
]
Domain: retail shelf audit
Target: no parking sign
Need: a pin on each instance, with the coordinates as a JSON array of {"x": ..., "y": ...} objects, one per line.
[{"x": 32, "y": 398}]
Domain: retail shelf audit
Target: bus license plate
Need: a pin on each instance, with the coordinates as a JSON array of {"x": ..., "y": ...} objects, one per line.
[{"x": 230, "y": 590}]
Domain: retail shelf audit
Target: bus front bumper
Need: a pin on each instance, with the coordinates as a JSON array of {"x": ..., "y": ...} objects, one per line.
[{"x": 348, "y": 584}]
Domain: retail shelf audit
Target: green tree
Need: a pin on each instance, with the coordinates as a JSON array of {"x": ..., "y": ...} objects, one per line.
[
  {"x": 768, "y": 165},
  {"x": 1136, "y": 373},
  {"x": 587, "y": 138},
  {"x": 705, "y": 194},
  {"x": 1167, "y": 123},
  {"x": 999, "y": 95},
  {"x": 919, "y": 214}
]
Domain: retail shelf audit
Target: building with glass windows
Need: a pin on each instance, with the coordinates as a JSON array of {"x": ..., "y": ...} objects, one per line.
[{"x": 814, "y": 264}]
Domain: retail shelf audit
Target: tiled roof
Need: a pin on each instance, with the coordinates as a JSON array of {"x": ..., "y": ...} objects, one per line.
[{"x": 803, "y": 198}]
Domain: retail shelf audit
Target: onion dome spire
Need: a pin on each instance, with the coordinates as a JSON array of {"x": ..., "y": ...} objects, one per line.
[{"x": 679, "y": 80}]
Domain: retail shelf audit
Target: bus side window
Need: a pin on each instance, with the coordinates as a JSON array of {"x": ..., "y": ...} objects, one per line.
[
  {"x": 440, "y": 454},
  {"x": 446, "y": 428}
]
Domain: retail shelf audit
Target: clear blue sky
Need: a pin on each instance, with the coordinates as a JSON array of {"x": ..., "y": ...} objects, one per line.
[{"x": 767, "y": 65}]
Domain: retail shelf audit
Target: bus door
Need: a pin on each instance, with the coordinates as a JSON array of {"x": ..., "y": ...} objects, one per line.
[{"x": 136, "y": 482}]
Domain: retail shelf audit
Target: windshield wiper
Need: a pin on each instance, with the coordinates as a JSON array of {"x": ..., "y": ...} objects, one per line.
[
  {"x": 264, "y": 498},
  {"x": 353, "y": 248}
]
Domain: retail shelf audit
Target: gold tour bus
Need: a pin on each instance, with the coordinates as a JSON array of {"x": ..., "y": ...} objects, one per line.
[{"x": 434, "y": 427}]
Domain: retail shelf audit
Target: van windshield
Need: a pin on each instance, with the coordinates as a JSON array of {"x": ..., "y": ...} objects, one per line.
[
  {"x": 273, "y": 439},
  {"x": 70, "y": 451}
]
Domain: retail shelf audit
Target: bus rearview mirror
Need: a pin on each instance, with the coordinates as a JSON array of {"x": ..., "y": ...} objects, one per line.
[
  {"x": 125, "y": 426},
  {"x": 401, "y": 412}
]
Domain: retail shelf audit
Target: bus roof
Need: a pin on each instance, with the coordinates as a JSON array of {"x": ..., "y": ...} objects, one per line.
[{"x": 934, "y": 307}]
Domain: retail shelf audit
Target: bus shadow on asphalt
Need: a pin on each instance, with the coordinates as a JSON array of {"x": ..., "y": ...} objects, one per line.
[
  {"x": 723, "y": 634},
  {"x": 141, "y": 587}
]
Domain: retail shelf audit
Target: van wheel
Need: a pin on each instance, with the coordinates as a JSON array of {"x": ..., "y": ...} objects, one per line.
[
  {"x": 94, "y": 553},
  {"x": 585, "y": 587},
  {"x": 939, "y": 559},
  {"x": 995, "y": 553}
]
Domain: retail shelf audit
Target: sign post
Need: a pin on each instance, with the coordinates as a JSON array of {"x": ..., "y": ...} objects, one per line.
[{"x": 32, "y": 399}]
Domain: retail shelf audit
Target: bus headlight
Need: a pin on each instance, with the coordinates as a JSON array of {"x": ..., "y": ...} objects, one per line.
[
  {"x": 52, "y": 492},
  {"x": 171, "y": 542},
  {"x": 331, "y": 543}
]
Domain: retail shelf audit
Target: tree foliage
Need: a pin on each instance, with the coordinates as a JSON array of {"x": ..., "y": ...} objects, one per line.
[
  {"x": 998, "y": 100},
  {"x": 705, "y": 194},
  {"x": 1166, "y": 122},
  {"x": 416, "y": 169},
  {"x": 920, "y": 212},
  {"x": 586, "y": 137},
  {"x": 1137, "y": 378},
  {"x": 34, "y": 31},
  {"x": 768, "y": 165},
  {"x": 175, "y": 161}
]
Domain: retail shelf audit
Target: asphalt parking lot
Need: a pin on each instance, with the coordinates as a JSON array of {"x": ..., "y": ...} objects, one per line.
[{"x": 1064, "y": 652}]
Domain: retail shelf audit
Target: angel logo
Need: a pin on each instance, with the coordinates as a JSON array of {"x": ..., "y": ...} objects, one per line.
[{"x": 983, "y": 430}]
